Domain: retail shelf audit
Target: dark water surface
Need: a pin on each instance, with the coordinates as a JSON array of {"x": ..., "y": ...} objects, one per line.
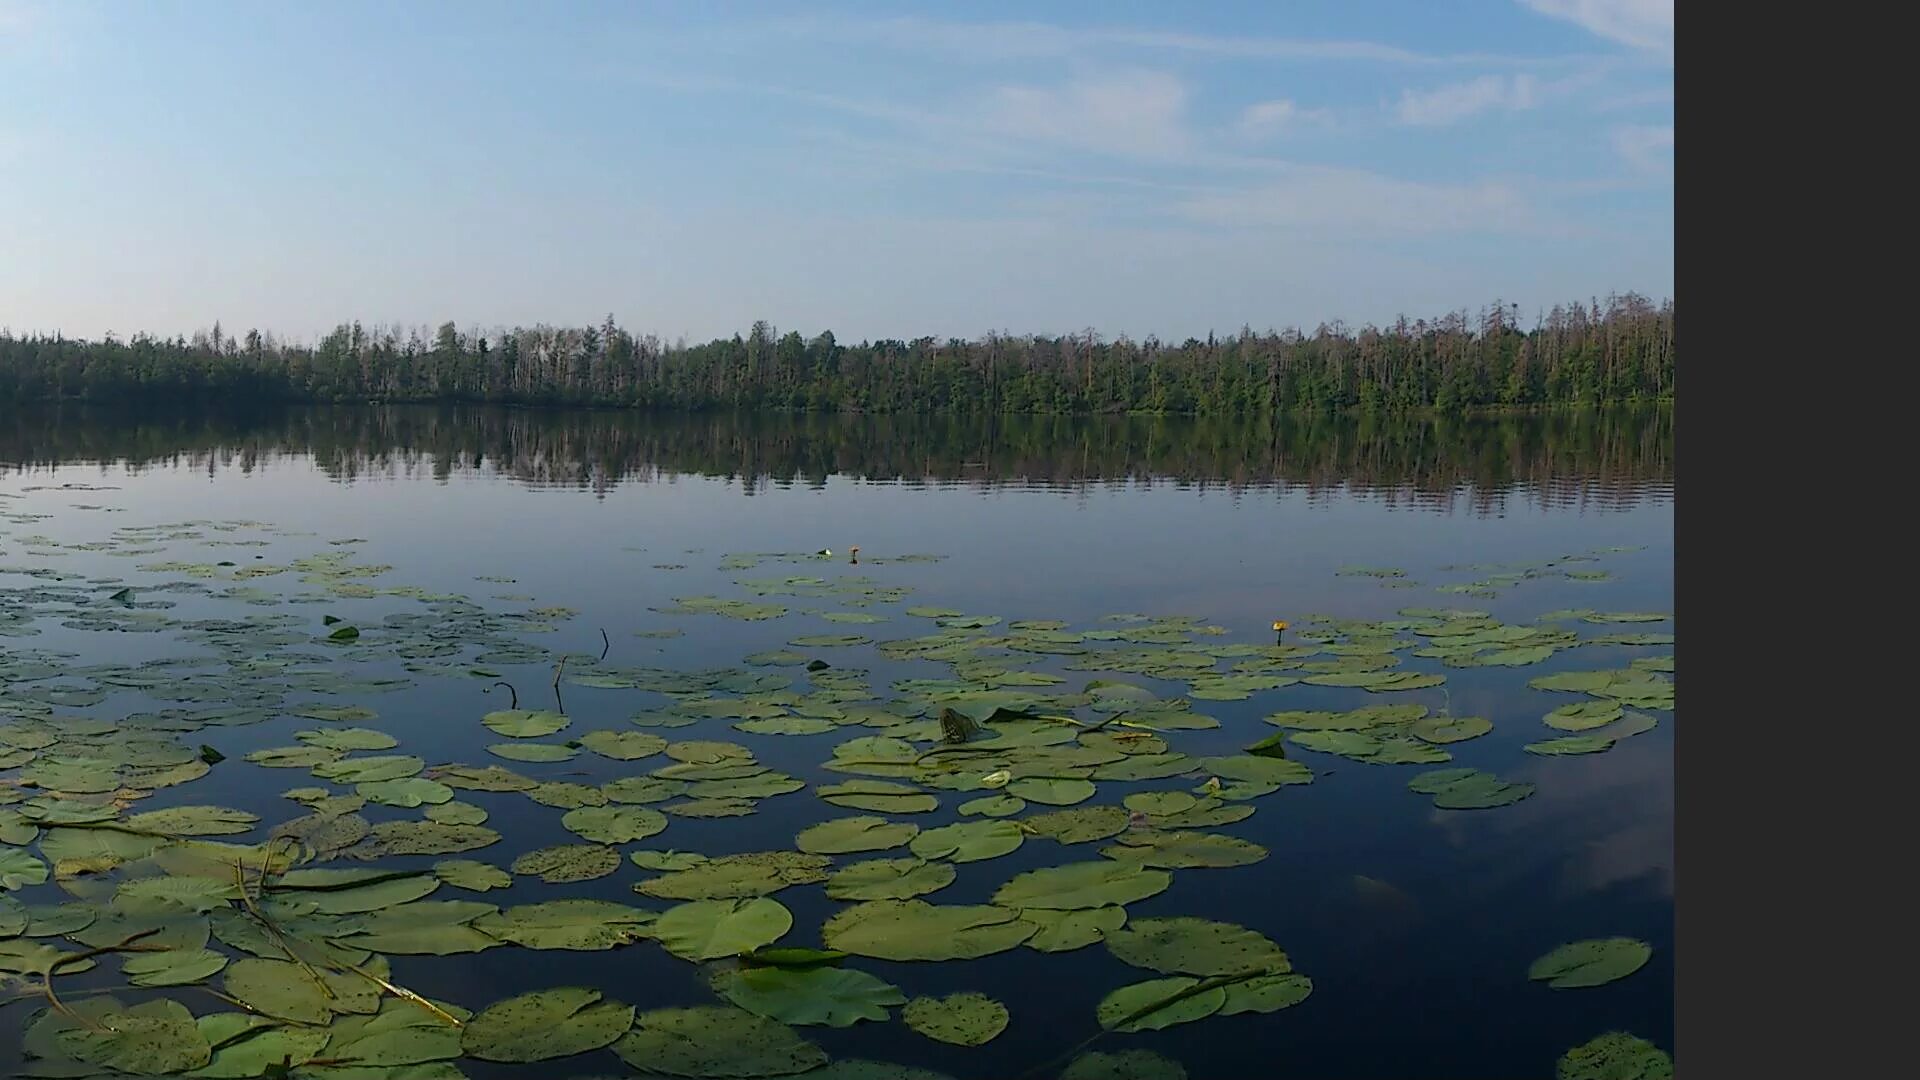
[{"x": 1416, "y": 925}]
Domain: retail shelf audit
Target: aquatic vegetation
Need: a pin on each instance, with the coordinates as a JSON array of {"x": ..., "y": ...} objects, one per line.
[{"x": 1084, "y": 740}]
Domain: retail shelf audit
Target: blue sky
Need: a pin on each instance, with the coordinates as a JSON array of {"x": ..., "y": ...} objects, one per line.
[{"x": 874, "y": 169}]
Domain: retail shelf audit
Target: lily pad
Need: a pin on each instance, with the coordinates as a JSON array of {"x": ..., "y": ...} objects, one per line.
[
  {"x": 712, "y": 929},
  {"x": 969, "y": 841},
  {"x": 1591, "y": 963},
  {"x": 917, "y": 930},
  {"x": 851, "y": 834},
  {"x": 1266, "y": 993},
  {"x": 614, "y": 824},
  {"x": 1158, "y": 1003},
  {"x": 1052, "y": 791},
  {"x": 1182, "y": 849},
  {"x": 959, "y": 1019},
  {"x": 149, "y": 1039},
  {"x": 829, "y": 996},
  {"x": 1570, "y": 744},
  {"x": 1082, "y": 885},
  {"x": 733, "y": 876},
  {"x": 568, "y": 862},
  {"x": 1584, "y": 715},
  {"x": 889, "y": 879},
  {"x": 1064, "y": 931},
  {"x": 714, "y": 1041},
  {"x": 1081, "y": 824},
  {"x": 545, "y": 1024},
  {"x": 1123, "y": 1065},
  {"x": 578, "y": 925},
  {"x": 1450, "y": 729},
  {"x": 1616, "y": 1055},
  {"x": 623, "y": 745},
  {"x": 524, "y": 723},
  {"x": 1182, "y": 945}
]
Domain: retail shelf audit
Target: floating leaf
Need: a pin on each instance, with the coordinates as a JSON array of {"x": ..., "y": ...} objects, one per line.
[
  {"x": 173, "y": 967},
  {"x": 579, "y": 925},
  {"x": 1158, "y": 1003},
  {"x": 1468, "y": 789},
  {"x": 1063, "y": 931},
  {"x": 286, "y": 991},
  {"x": 917, "y": 930},
  {"x": 993, "y": 806},
  {"x": 194, "y": 821},
  {"x": 850, "y": 834},
  {"x": 423, "y": 838},
  {"x": 730, "y": 876},
  {"x": 1182, "y": 945},
  {"x": 18, "y": 868},
  {"x": 959, "y": 1019},
  {"x": 1052, "y": 791},
  {"x": 149, "y": 1039},
  {"x": 712, "y": 929},
  {"x": 535, "y": 753},
  {"x": 1082, "y": 885},
  {"x": 524, "y": 723},
  {"x": 545, "y": 1024},
  {"x": 1123, "y": 1065},
  {"x": 879, "y": 796},
  {"x": 614, "y": 824},
  {"x": 568, "y": 862},
  {"x": 1079, "y": 825},
  {"x": 1175, "y": 850},
  {"x": 1570, "y": 744},
  {"x": 623, "y": 745},
  {"x": 1591, "y": 963},
  {"x": 889, "y": 879},
  {"x": 969, "y": 841},
  {"x": 715, "y": 1041},
  {"x": 1450, "y": 729},
  {"x": 1266, "y": 993},
  {"x": 472, "y": 876},
  {"x": 1616, "y": 1055},
  {"x": 830, "y": 996}
]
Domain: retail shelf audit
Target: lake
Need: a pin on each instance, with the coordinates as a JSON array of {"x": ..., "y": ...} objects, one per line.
[{"x": 184, "y": 579}]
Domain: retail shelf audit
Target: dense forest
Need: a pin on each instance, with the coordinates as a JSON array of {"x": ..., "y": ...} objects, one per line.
[
  {"x": 1607, "y": 457},
  {"x": 1621, "y": 352}
]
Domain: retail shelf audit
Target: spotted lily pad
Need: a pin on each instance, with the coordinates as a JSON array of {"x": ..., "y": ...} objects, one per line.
[
  {"x": 1082, "y": 885},
  {"x": 851, "y": 834},
  {"x": 578, "y": 925},
  {"x": 1182, "y": 945},
  {"x": 889, "y": 879},
  {"x": 524, "y": 723},
  {"x": 960, "y": 1019},
  {"x": 614, "y": 824},
  {"x": 545, "y": 1024},
  {"x": 569, "y": 862},
  {"x": 715, "y": 1041},
  {"x": 1591, "y": 963},
  {"x": 149, "y": 1039},
  {"x": 1158, "y": 1003},
  {"x": 969, "y": 841},
  {"x": 917, "y": 930},
  {"x": 1616, "y": 1055}
]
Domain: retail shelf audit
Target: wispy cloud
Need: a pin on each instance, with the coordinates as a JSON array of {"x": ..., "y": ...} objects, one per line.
[
  {"x": 1334, "y": 199},
  {"x": 1002, "y": 41},
  {"x": 1453, "y": 103},
  {"x": 1642, "y": 24},
  {"x": 1645, "y": 146},
  {"x": 1130, "y": 113},
  {"x": 1268, "y": 118}
]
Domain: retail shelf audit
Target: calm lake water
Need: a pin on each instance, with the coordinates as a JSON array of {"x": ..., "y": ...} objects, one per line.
[{"x": 1416, "y": 925}]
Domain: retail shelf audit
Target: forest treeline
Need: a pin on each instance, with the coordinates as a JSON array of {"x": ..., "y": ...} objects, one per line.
[
  {"x": 1619, "y": 352},
  {"x": 1613, "y": 457}
]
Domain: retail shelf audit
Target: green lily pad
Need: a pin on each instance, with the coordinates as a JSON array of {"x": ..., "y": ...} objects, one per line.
[
  {"x": 786, "y": 725},
  {"x": 889, "y": 879},
  {"x": 1616, "y": 1055},
  {"x": 423, "y": 838},
  {"x": 878, "y": 796},
  {"x": 715, "y": 1041},
  {"x": 1570, "y": 744},
  {"x": 993, "y": 806},
  {"x": 471, "y": 875},
  {"x": 456, "y": 813},
  {"x": 148, "y": 1039},
  {"x": 1591, "y": 963},
  {"x": 1052, "y": 791},
  {"x": 1158, "y": 1003},
  {"x": 1584, "y": 715},
  {"x": 1082, "y": 885},
  {"x": 1176, "y": 850},
  {"x": 568, "y": 862},
  {"x": 623, "y": 745},
  {"x": 712, "y": 929},
  {"x": 1182, "y": 945},
  {"x": 535, "y": 753},
  {"x": 829, "y": 996},
  {"x": 410, "y": 792},
  {"x": 1064, "y": 931},
  {"x": 1123, "y": 1065},
  {"x": 286, "y": 991},
  {"x": 917, "y": 930},
  {"x": 545, "y": 1024},
  {"x": 969, "y": 841},
  {"x": 732, "y": 876},
  {"x": 578, "y": 925},
  {"x": 1080, "y": 824},
  {"x": 19, "y": 868},
  {"x": 851, "y": 834},
  {"x": 524, "y": 723},
  {"x": 1468, "y": 789},
  {"x": 1266, "y": 993},
  {"x": 173, "y": 967},
  {"x": 614, "y": 824},
  {"x": 959, "y": 1019},
  {"x": 1450, "y": 729}
]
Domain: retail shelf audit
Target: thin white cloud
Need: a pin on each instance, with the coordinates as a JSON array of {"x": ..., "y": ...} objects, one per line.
[
  {"x": 1645, "y": 146},
  {"x": 1351, "y": 200},
  {"x": 1002, "y": 41},
  {"x": 1130, "y": 113},
  {"x": 1267, "y": 118},
  {"x": 1642, "y": 24},
  {"x": 1454, "y": 103}
]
